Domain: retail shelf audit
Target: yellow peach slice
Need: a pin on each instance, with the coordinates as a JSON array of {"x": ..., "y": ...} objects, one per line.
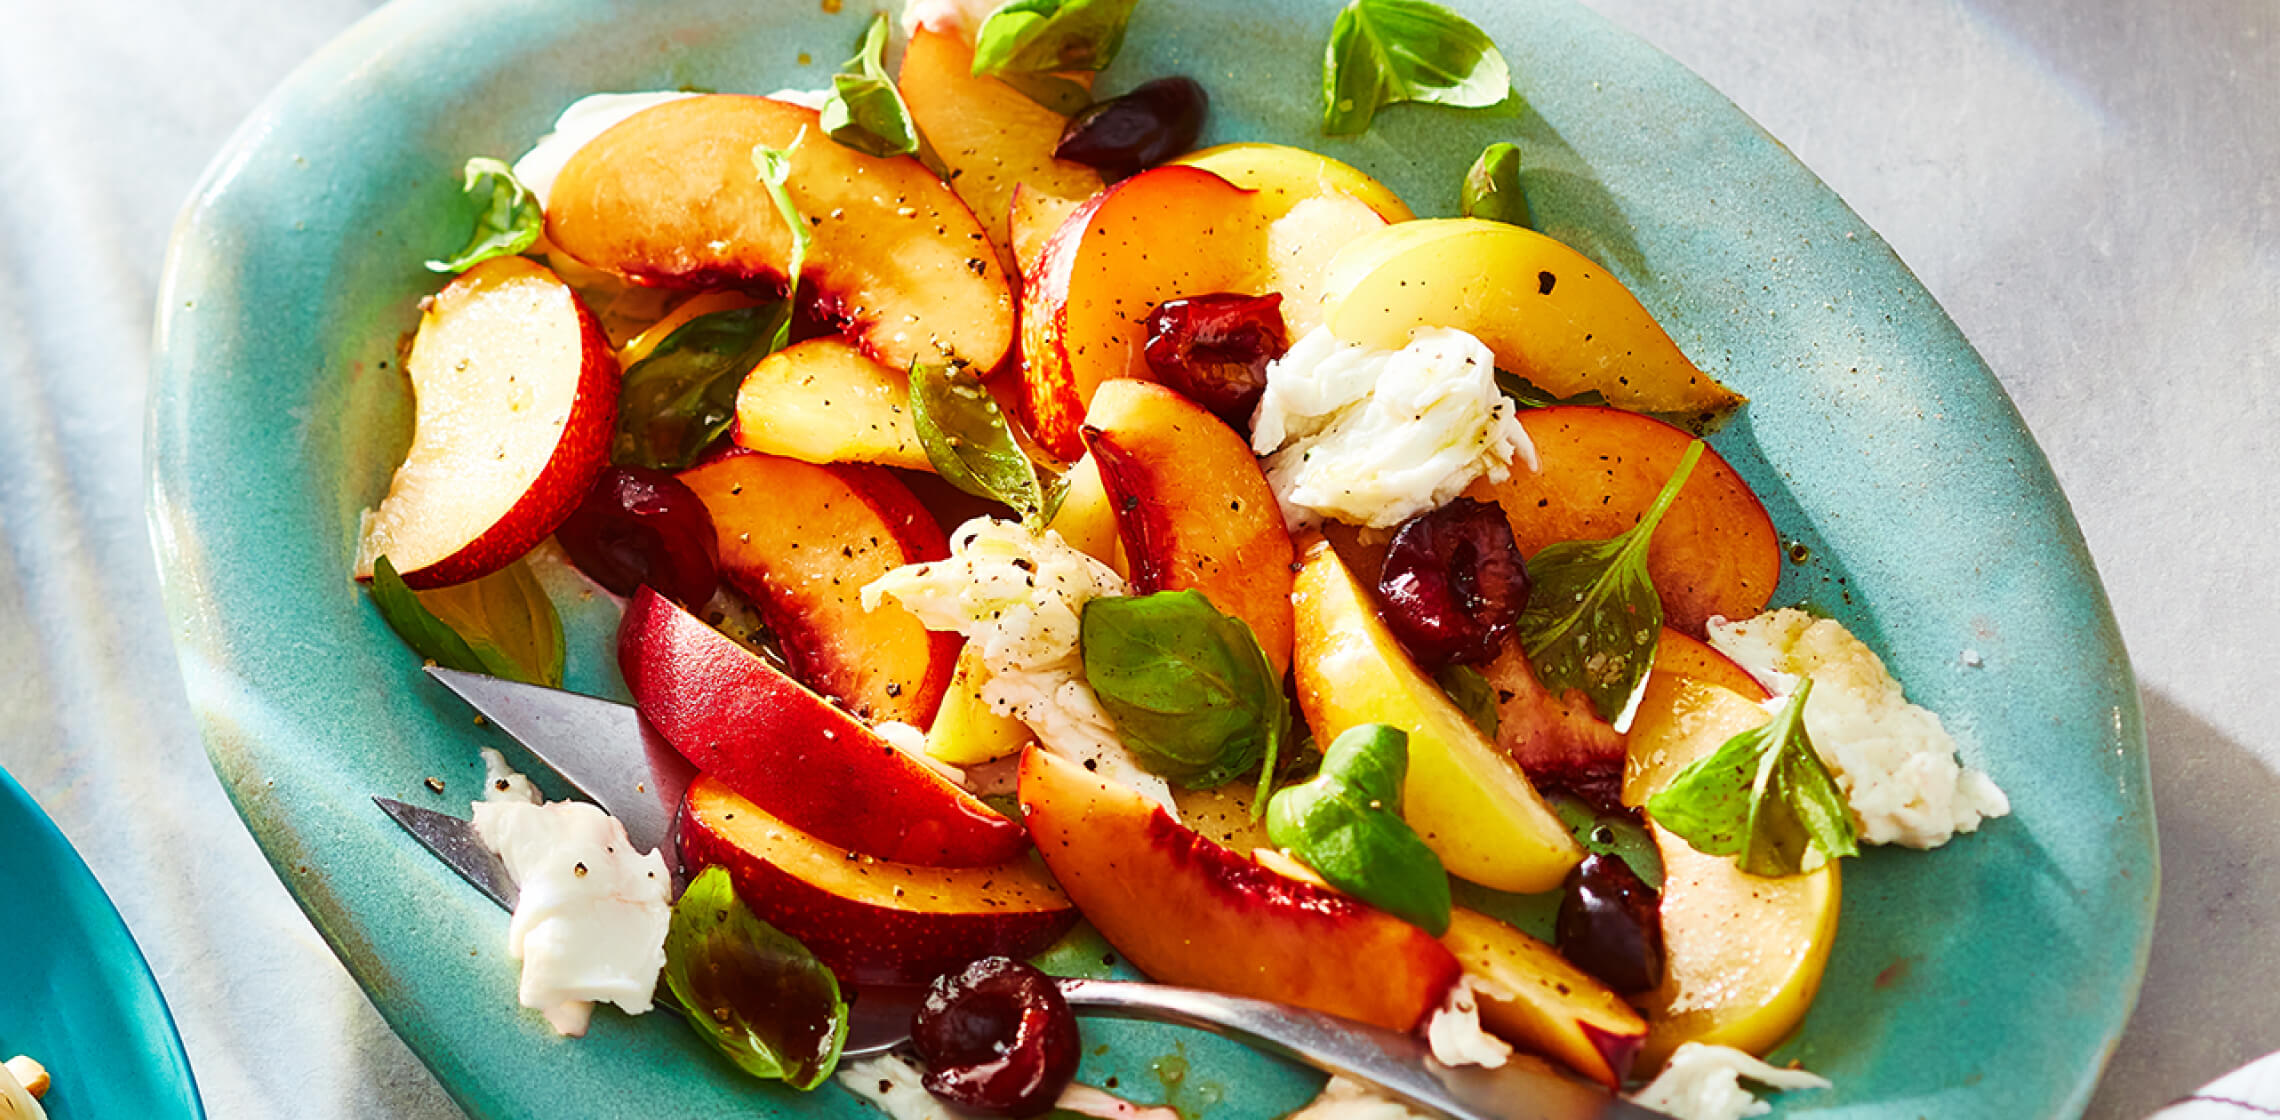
[
  {"x": 1287, "y": 176},
  {"x": 1532, "y": 996},
  {"x": 823, "y": 401}
]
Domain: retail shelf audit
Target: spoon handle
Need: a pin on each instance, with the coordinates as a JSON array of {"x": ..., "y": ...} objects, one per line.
[{"x": 1396, "y": 1064}]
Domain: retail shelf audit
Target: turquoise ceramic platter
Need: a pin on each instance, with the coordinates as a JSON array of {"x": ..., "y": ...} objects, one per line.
[
  {"x": 1987, "y": 979},
  {"x": 76, "y": 993}
]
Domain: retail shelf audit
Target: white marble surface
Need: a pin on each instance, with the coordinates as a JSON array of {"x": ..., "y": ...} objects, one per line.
[{"x": 2091, "y": 187}]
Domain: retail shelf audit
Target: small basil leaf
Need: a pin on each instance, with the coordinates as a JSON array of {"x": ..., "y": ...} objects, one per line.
[
  {"x": 420, "y": 629},
  {"x": 866, "y": 111},
  {"x": 1764, "y": 797},
  {"x": 1065, "y": 96},
  {"x": 509, "y": 224},
  {"x": 1492, "y": 187},
  {"x": 1051, "y": 36},
  {"x": 1593, "y": 616},
  {"x": 751, "y": 991},
  {"x": 970, "y": 444},
  {"x": 1524, "y": 393},
  {"x": 674, "y": 403},
  {"x": 507, "y": 619},
  {"x": 1346, "y": 824},
  {"x": 1190, "y": 690},
  {"x": 1472, "y": 694},
  {"x": 775, "y": 168},
  {"x": 1387, "y": 51},
  {"x": 1611, "y": 835}
]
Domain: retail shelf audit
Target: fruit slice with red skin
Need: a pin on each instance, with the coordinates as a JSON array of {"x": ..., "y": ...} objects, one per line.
[
  {"x": 1533, "y": 997},
  {"x": 1031, "y": 219},
  {"x": 871, "y": 920},
  {"x": 1715, "y": 552},
  {"x": 514, "y": 392},
  {"x": 1187, "y": 911},
  {"x": 800, "y": 540},
  {"x": 1160, "y": 235},
  {"x": 671, "y": 197},
  {"x": 739, "y": 719},
  {"x": 1192, "y": 507},
  {"x": 991, "y": 136},
  {"x": 822, "y": 401},
  {"x": 1677, "y": 655}
]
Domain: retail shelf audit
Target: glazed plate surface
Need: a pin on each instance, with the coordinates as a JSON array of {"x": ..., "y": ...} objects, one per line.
[{"x": 1988, "y": 979}]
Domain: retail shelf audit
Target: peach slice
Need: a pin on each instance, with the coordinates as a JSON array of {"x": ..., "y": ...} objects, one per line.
[
  {"x": 1193, "y": 508},
  {"x": 1285, "y": 176},
  {"x": 1187, "y": 911},
  {"x": 1532, "y": 996},
  {"x": 870, "y": 920},
  {"x": 1680, "y": 656},
  {"x": 1468, "y": 801},
  {"x": 741, "y": 720},
  {"x": 800, "y": 540},
  {"x": 1032, "y": 217},
  {"x": 1159, "y": 235},
  {"x": 1744, "y": 954},
  {"x": 1550, "y": 313},
  {"x": 823, "y": 401},
  {"x": 670, "y": 197},
  {"x": 514, "y": 391},
  {"x": 992, "y": 137},
  {"x": 1715, "y": 553}
]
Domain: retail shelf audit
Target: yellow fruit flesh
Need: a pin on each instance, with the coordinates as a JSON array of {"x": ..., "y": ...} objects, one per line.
[
  {"x": 1532, "y": 996},
  {"x": 1468, "y": 802},
  {"x": 966, "y": 730},
  {"x": 1745, "y": 954},
  {"x": 1549, "y": 313},
  {"x": 1288, "y": 176},
  {"x": 823, "y": 401}
]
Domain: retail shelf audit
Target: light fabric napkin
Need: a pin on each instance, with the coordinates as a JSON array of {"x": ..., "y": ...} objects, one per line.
[{"x": 2251, "y": 1091}]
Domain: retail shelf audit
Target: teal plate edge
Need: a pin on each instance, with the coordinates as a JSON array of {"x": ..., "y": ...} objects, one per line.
[
  {"x": 1988, "y": 979},
  {"x": 77, "y": 993}
]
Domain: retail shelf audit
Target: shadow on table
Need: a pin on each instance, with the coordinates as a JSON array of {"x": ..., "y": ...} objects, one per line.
[{"x": 2207, "y": 1005}]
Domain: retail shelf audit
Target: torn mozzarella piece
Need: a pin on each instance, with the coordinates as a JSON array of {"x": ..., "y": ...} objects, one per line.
[
  {"x": 1018, "y": 597},
  {"x": 586, "y": 118},
  {"x": 1705, "y": 1082},
  {"x": 1894, "y": 760},
  {"x": 962, "y": 18},
  {"x": 589, "y": 925},
  {"x": 1351, "y": 1100},
  {"x": 1374, "y": 437},
  {"x": 1455, "y": 1034}
]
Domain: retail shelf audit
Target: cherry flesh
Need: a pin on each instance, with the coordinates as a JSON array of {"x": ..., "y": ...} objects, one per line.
[
  {"x": 1124, "y": 136},
  {"x": 1454, "y": 584},
  {"x": 639, "y": 526},
  {"x": 1610, "y": 925},
  {"x": 1215, "y": 350}
]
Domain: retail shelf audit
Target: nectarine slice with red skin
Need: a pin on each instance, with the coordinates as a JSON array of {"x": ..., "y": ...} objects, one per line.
[
  {"x": 1192, "y": 507},
  {"x": 801, "y": 540},
  {"x": 1160, "y": 235},
  {"x": 1678, "y": 655},
  {"x": 1533, "y": 997},
  {"x": 871, "y": 920},
  {"x": 739, "y": 719},
  {"x": 991, "y": 136},
  {"x": 670, "y": 197},
  {"x": 515, "y": 394},
  {"x": 1187, "y": 911},
  {"x": 1715, "y": 552}
]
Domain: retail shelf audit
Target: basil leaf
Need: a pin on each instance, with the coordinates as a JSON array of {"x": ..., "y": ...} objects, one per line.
[
  {"x": 505, "y": 615},
  {"x": 775, "y": 167},
  {"x": 1387, "y": 51},
  {"x": 1525, "y": 394},
  {"x": 674, "y": 403},
  {"x": 509, "y": 224},
  {"x": 1765, "y": 798},
  {"x": 434, "y": 639},
  {"x": 1593, "y": 615},
  {"x": 1050, "y": 36},
  {"x": 1472, "y": 694},
  {"x": 1189, "y": 688},
  {"x": 1346, "y": 824},
  {"x": 1613, "y": 834},
  {"x": 1492, "y": 187},
  {"x": 865, "y": 111},
  {"x": 751, "y": 991},
  {"x": 971, "y": 445}
]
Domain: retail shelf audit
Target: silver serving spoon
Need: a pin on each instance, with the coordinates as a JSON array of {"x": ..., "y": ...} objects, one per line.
[{"x": 1398, "y": 1065}]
